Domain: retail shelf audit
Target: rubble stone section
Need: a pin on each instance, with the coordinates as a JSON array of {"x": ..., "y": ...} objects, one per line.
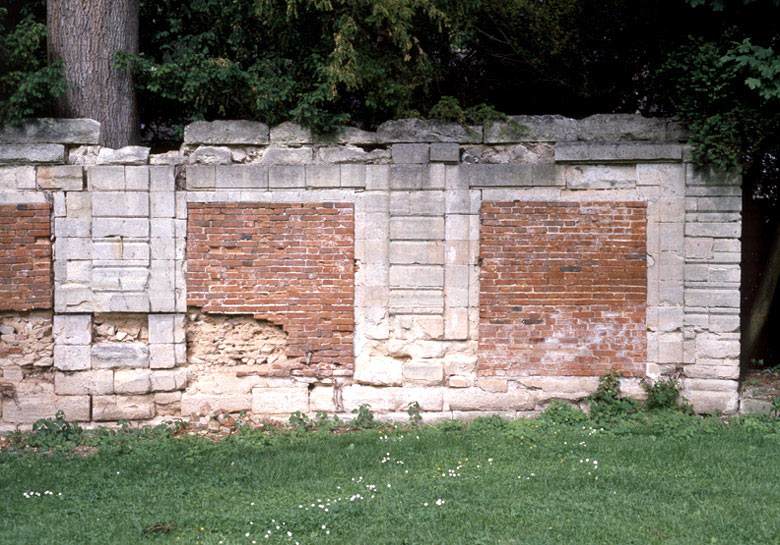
[
  {"x": 289, "y": 264},
  {"x": 562, "y": 288},
  {"x": 229, "y": 357},
  {"x": 25, "y": 257}
]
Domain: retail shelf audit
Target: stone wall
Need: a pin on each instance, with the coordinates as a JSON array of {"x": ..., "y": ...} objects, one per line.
[{"x": 475, "y": 270}]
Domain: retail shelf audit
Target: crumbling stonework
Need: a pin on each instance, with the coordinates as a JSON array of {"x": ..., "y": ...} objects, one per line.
[
  {"x": 120, "y": 328},
  {"x": 218, "y": 340},
  {"x": 26, "y": 339},
  {"x": 481, "y": 270}
]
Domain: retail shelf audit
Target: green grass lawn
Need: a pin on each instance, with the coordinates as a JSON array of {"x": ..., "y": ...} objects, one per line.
[{"x": 666, "y": 479}]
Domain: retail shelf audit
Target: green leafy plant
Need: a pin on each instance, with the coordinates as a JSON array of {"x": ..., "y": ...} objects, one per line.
[
  {"x": 775, "y": 410},
  {"x": 50, "y": 432},
  {"x": 414, "y": 413},
  {"x": 563, "y": 413},
  {"x": 664, "y": 394},
  {"x": 608, "y": 403},
  {"x": 27, "y": 85},
  {"x": 364, "y": 419},
  {"x": 301, "y": 422}
]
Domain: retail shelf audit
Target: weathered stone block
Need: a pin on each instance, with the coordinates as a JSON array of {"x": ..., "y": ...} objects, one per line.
[
  {"x": 201, "y": 177},
  {"x": 321, "y": 399},
  {"x": 704, "y": 401},
  {"x": 537, "y": 128},
  {"x": 417, "y": 252},
  {"x": 378, "y": 370},
  {"x": 507, "y": 175},
  {"x": 323, "y": 176},
  {"x": 72, "y": 358},
  {"x": 748, "y": 405},
  {"x": 162, "y": 204},
  {"x": 13, "y": 178},
  {"x": 568, "y": 388},
  {"x": 166, "y": 381},
  {"x": 280, "y": 400},
  {"x": 379, "y": 399},
  {"x": 426, "y": 130},
  {"x": 72, "y": 227},
  {"x": 728, "y": 298},
  {"x": 128, "y": 155},
  {"x": 133, "y": 407},
  {"x": 118, "y": 227},
  {"x": 136, "y": 178},
  {"x": 161, "y": 178},
  {"x": 353, "y": 155},
  {"x": 64, "y": 177},
  {"x": 92, "y": 382},
  {"x": 423, "y": 373},
  {"x": 211, "y": 155},
  {"x": 166, "y": 328},
  {"x": 574, "y": 152},
  {"x": 241, "y": 177},
  {"x": 73, "y": 329},
  {"x": 78, "y": 204},
  {"x": 417, "y": 228},
  {"x": 416, "y": 276},
  {"x": 286, "y": 177},
  {"x": 120, "y": 204},
  {"x": 456, "y": 321},
  {"x": 108, "y": 355},
  {"x": 132, "y": 381},
  {"x": 291, "y": 133},
  {"x": 251, "y": 133},
  {"x": 416, "y": 301},
  {"x": 20, "y": 154},
  {"x": 476, "y": 399},
  {"x": 377, "y": 177},
  {"x": 410, "y": 153},
  {"x": 28, "y": 409},
  {"x": 50, "y": 130},
  {"x": 162, "y": 356},
  {"x": 445, "y": 152},
  {"x": 407, "y": 176},
  {"x": 205, "y": 404},
  {"x": 353, "y": 176},
  {"x": 600, "y": 177}
]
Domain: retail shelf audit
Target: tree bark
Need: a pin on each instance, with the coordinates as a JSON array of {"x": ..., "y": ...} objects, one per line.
[
  {"x": 759, "y": 312},
  {"x": 85, "y": 34}
]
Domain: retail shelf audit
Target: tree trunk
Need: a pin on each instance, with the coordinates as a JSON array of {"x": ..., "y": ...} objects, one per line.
[
  {"x": 762, "y": 303},
  {"x": 85, "y": 34}
]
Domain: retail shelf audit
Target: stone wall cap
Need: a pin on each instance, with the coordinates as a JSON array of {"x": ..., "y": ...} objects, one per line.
[
  {"x": 427, "y": 130},
  {"x": 52, "y": 131},
  {"x": 227, "y": 132},
  {"x": 618, "y": 152},
  {"x": 595, "y": 128}
]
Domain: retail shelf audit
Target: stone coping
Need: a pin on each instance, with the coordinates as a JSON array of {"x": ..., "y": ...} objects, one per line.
[{"x": 522, "y": 128}]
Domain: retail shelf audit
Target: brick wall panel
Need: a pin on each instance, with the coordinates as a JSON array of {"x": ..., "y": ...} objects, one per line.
[
  {"x": 290, "y": 264},
  {"x": 562, "y": 288},
  {"x": 25, "y": 257}
]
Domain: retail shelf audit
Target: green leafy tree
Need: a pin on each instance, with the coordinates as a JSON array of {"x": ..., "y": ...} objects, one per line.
[
  {"x": 726, "y": 89},
  {"x": 28, "y": 86}
]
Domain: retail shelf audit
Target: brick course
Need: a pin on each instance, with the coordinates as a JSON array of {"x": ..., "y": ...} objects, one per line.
[
  {"x": 25, "y": 257},
  {"x": 562, "y": 288},
  {"x": 290, "y": 264}
]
